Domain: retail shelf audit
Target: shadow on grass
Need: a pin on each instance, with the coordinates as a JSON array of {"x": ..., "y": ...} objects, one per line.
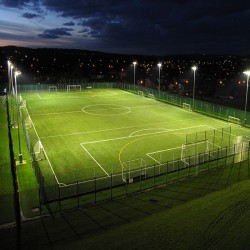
[{"x": 88, "y": 221}]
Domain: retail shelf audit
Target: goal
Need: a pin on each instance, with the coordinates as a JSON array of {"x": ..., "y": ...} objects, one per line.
[
  {"x": 234, "y": 120},
  {"x": 200, "y": 152},
  {"x": 52, "y": 88},
  {"x": 130, "y": 169},
  {"x": 22, "y": 103},
  {"x": 141, "y": 93},
  {"x": 151, "y": 96},
  {"x": 186, "y": 106},
  {"x": 74, "y": 88},
  {"x": 38, "y": 150}
]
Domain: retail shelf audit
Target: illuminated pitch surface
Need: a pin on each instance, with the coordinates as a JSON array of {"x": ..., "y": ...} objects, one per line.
[{"x": 91, "y": 133}]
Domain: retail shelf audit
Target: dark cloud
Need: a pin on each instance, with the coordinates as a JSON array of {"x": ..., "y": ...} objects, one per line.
[
  {"x": 55, "y": 33},
  {"x": 30, "y": 15},
  {"x": 153, "y": 26},
  {"x": 69, "y": 24},
  {"x": 15, "y": 3}
]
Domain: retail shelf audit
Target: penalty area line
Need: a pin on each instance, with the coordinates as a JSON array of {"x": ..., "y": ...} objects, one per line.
[{"x": 94, "y": 160}]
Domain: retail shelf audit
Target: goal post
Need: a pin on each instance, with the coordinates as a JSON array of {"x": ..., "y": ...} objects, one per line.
[
  {"x": 234, "y": 120},
  {"x": 38, "y": 150},
  {"x": 141, "y": 93},
  {"x": 199, "y": 152},
  {"x": 22, "y": 102},
  {"x": 130, "y": 169},
  {"x": 74, "y": 88},
  {"x": 151, "y": 96},
  {"x": 52, "y": 88},
  {"x": 186, "y": 106}
]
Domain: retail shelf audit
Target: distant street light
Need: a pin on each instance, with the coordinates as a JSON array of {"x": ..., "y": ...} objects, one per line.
[
  {"x": 194, "y": 68},
  {"x": 17, "y": 73},
  {"x": 134, "y": 63},
  {"x": 159, "y": 87},
  {"x": 248, "y": 74}
]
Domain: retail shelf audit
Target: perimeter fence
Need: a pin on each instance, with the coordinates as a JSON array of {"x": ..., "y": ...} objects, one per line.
[
  {"x": 89, "y": 192},
  {"x": 94, "y": 190}
]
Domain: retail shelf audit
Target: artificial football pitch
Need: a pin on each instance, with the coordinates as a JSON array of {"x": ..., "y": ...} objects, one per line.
[{"x": 98, "y": 132}]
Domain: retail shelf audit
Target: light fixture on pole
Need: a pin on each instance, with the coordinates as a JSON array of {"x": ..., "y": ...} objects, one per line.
[
  {"x": 194, "y": 68},
  {"x": 159, "y": 87},
  {"x": 134, "y": 63},
  {"x": 248, "y": 74},
  {"x": 17, "y": 73}
]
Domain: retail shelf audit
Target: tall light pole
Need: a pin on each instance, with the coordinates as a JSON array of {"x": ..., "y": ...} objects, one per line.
[
  {"x": 12, "y": 92},
  {"x": 248, "y": 74},
  {"x": 194, "y": 68},
  {"x": 17, "y": 73},
  {"x": 9, "y": 75},
  {"x": 134, "y": 63},
  {"x": 159, "y": 87}
]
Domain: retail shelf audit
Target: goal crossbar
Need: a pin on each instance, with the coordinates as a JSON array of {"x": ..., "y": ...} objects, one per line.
[
  {"x": 52, "y": 88},
  {"x": 186, "y": 106},
  {"x": 235, "y": 120},
  {"x": 74, "y": 88},
  {"x": 141, "y": 93}
]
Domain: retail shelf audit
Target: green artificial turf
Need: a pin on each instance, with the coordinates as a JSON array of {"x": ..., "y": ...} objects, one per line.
[{"x": 95, "y": 133}]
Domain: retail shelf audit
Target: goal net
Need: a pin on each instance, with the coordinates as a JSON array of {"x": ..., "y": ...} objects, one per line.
[
  {"x": 151, "y": 96},
  {"x": 130, "y": 169},
  {"x": 141, "y": 93},
  {"x": 241, "y": 148},
  {"x": 52, "y": 88},
  {"x": 27, "y": 122},
  {"x": 234, "y": 120},
  {"x": 74, "y": 88},
  {"x": 186, "y": 106},
  {"x": 38, "y": 151},
  {"x": 200, "y": 152},
  {"x": 22, "y": 103}
]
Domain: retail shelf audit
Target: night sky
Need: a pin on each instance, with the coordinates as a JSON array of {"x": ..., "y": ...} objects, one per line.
[{"x": 150, "y": 27}]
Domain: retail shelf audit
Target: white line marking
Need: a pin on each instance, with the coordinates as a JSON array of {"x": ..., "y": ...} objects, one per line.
[
  {"x": 140, "y": 135},
  {"x": 39, "y": 96},
  {"x": 121, "y": 128},
  {"x": 58, "y": 113},
  {"x": 149, "y": 154},
  {"x": 146, "y": 129},
  {"x": 95, "y": 160},
  {"x": 43, "y": 148}
]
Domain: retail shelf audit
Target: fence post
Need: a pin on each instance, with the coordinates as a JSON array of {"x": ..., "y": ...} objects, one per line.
[
  {"x": 248, "y": 160},
  {"x": 178, "y": 165},
  {"x": 154, "y": 175},
  {"x": 77, "y": 190},
  {"x": 95, "y": 189},
  {"x": 166, "y": 173},
  {"x": 59, "y": 193},
  {"x": 140, "y": 179},
  {"x": 226, "y": 156},
  {"x": 126, "y": 183},
  {"x": 111, "y": 186}
]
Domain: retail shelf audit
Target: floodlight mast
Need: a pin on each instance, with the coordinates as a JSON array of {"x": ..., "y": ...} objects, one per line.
[
  {"x": 134, "y": 63},
  {"x": 194, "y": 68},
  {"x": 159, "y": 87},
  {"x": 17, "y": 73},
  {"x": 9, "y": 74},
  {"x": 245, "y": 116}
]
